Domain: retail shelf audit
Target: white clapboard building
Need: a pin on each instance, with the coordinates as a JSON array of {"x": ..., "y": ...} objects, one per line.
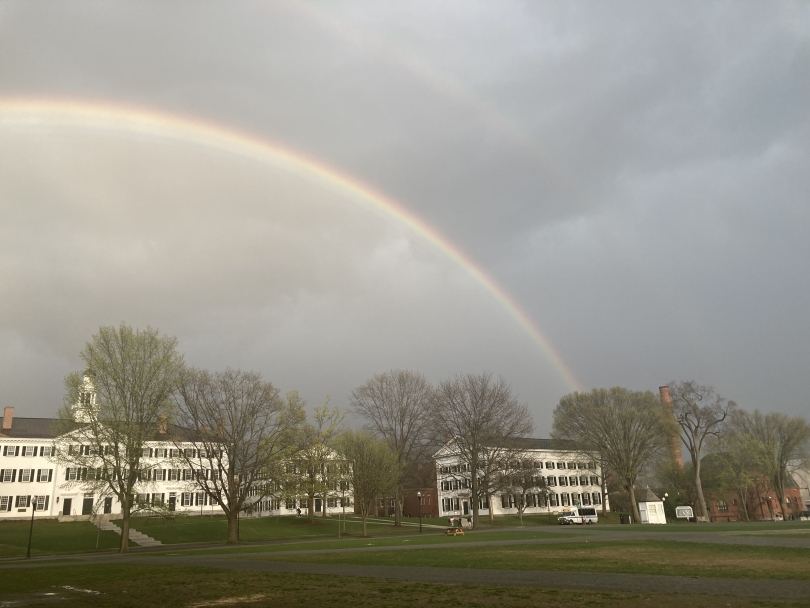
[
  {"x": 31, "y": 476},
  {"x": 33, "y": 481},
  {"x": 569, "y": 478}
]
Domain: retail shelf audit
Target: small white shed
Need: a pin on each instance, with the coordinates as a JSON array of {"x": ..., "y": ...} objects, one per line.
[{"x": 651, "y": 509}]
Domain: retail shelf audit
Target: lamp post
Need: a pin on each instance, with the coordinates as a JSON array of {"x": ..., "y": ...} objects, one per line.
[
  {"x": 666, "y": 495},
  {"x": 31, "y": 530},
  {"x": 419, "y": 504}
]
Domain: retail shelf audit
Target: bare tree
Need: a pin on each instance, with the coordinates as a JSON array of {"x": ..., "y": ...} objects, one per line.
[
  {"x": 778, "y": 439},
  {"x": 701, "y": 414},
  {"x": 374, "y": 469},
  {"x": 396, "y": 406},
  {"x": 481, "y": 417},
  {"x": 114, "y": 408},
  {"x": 629, "y": 429},
  {"x": 526, "y": 483},
  {"x": 241, "y": 432}
]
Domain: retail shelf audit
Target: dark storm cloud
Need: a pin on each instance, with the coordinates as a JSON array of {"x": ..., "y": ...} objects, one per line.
[{"x": 633, "y": 173}]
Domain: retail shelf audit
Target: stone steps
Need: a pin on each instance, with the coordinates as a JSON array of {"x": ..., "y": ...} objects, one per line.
[{"x": 139, "y": 538}]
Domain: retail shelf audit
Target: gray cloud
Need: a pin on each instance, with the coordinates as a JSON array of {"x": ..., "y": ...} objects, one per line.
[{"x": 634, "y": 174}]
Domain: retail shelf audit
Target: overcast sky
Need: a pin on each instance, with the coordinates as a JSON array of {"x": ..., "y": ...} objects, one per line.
[{"x": 634, "y": 175}]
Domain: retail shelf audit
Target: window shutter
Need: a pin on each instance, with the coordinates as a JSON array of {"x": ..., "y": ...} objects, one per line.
[
  {"x": 50, "y": 474},
  {"x": 27, "y": 501},
  {"x": 13, "y": 475},
  {"x": 39, "y": 474},
  {"x": 1, "y": 474},
  {"x": 46, "y": 501},
  {"x": 67, "y": 473}
]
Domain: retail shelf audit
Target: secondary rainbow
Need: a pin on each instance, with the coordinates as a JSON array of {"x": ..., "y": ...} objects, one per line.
[{"x": 39, "y": 112}]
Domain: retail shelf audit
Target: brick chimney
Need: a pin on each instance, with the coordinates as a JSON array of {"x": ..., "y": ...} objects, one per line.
[
  {"x": 8, "y": 417},
  {"x": 674, "y": 441},
  {"x": 163, "y": 424}
]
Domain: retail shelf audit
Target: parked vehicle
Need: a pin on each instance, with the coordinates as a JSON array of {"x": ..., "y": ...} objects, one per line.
[{"x": 578, "y": 515}]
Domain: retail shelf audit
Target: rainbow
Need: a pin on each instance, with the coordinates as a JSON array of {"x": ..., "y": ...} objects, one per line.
[{"x": 26, "y": 113}]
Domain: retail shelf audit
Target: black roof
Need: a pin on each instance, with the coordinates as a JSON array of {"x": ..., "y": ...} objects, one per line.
[
  {"x": 43, "y": 428},
  {"x": 532, "y": 443},
  {"x": 32, "y": 428}
]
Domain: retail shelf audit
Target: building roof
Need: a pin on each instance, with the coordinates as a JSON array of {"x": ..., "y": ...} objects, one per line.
[
  {"x": 532, "y": 443},
  {"x": 31, "y": 428},
  {"x": 43, "y": 428},
  {"x": 650, "y": 496}
]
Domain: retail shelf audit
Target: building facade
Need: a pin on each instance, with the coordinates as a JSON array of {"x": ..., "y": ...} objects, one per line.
[
  {"x": 561, "y": 478},
  {"x": 34, "y": 481}
]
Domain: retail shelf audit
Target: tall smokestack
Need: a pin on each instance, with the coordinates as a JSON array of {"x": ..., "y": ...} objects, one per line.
[{"x": 674, "y": 441}]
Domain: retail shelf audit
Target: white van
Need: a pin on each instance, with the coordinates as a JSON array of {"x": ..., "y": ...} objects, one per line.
[{"x": 578, "y": 515}]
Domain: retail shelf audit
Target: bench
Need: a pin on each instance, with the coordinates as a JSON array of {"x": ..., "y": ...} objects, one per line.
[
  {"x": 701, "y": 519},
  {"x": 454, "y": 531}
]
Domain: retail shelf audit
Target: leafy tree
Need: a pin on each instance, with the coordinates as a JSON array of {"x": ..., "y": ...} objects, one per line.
[
  {"x": 482, "y": 418},
  {"x": 374, "y": 469},
  {"x": 396, "y": 406},
  {"x": 701, "y": 414},
  {"x": 629, "y": 429},
  {"x": 241, "y": 432},
  {"x": 740, "y": 461},
  {"x": 114, "y": 408},
  {"x": 778, "y": 440},
  {"x": 317, "y": 470}
]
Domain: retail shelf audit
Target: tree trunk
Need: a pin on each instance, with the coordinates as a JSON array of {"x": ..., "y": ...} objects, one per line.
[
  {"x": 365, "y": 517},
  {"x": 491, "y": 510},
  {"x": 233, "y": 528},
  {"x": 311, "y": 507},
  {"x": 474, "y": 498},
  {"x": 398, "y": 507},
  {"x": 604, "y": 495},
  {"x": 699, "y": 488},
  {"x": 743, "y": 504},
  {"x": 634, "y": 504},
  {"x": 125, "y": 515}
]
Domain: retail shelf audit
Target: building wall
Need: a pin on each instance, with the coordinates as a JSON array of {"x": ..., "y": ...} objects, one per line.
[
  {"x": 763, "y": 505},
  {"x": 569, "y": 479},
  {"x": 64, "y": 494}
]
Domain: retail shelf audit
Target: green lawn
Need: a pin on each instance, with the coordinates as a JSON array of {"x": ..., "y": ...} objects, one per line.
[
  {"x": 133, "y": 586},
  {"x": 192, "y": 529},
  {"x": 50, "y": 536},
  {"x": 427, "y": 538},
  {"x": 627, "y": 556}
]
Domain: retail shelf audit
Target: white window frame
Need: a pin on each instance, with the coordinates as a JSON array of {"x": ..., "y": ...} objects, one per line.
[{"x": 26, "y": 475}]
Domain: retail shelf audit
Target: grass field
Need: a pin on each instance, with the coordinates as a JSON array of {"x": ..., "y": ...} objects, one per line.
[
  {"x": 51, "y": 536},
  {"x": 626, "y": 556},
  {"x": 431, "y": 538},
  {"x": 146, "y": 586},
  {"x": 253, "y": 529}
]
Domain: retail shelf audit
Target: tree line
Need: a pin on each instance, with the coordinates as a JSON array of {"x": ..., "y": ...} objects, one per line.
[
  {"x": 250, "y": 442},
  {"x": 638, "y": 435}
]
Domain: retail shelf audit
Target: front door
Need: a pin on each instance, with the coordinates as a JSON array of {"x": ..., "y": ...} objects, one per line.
[
  {"x": 87, "y": 506},
  {"x": 66, "y": 504},
  {"x": 317, "y": 505},
  {"x": 108, "y": 505},
  {"x": 172, "y": 502},
  {"x": 466, "y": 508}
]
